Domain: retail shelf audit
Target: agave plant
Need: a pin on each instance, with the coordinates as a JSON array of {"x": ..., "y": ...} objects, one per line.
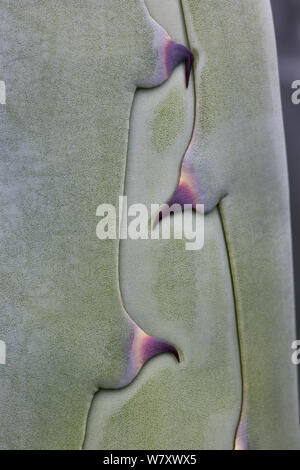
[
  {"x": 71, "y": 70},
  {"x": 229, "y": 308}
]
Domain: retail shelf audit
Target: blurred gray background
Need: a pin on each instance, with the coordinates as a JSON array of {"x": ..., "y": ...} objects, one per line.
[{"x": 287, "y": 26}]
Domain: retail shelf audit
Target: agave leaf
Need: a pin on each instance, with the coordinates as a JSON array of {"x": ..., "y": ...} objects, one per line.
[
  {"x": 71, "y": 69},
  {"x": 185, "y": 295},
  {"x": 239, "y": 137}
]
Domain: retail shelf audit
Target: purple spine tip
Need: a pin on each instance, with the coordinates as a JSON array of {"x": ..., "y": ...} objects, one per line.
[
  {"x": 177, "y": 53},
  {"x": 183, "y": 195},
  {"x": 188, "y": 67},
  {"x": 154, "y": 346}
]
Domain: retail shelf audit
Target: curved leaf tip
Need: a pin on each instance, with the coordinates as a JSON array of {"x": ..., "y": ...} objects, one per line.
[{"x": 143, "y": 348}]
